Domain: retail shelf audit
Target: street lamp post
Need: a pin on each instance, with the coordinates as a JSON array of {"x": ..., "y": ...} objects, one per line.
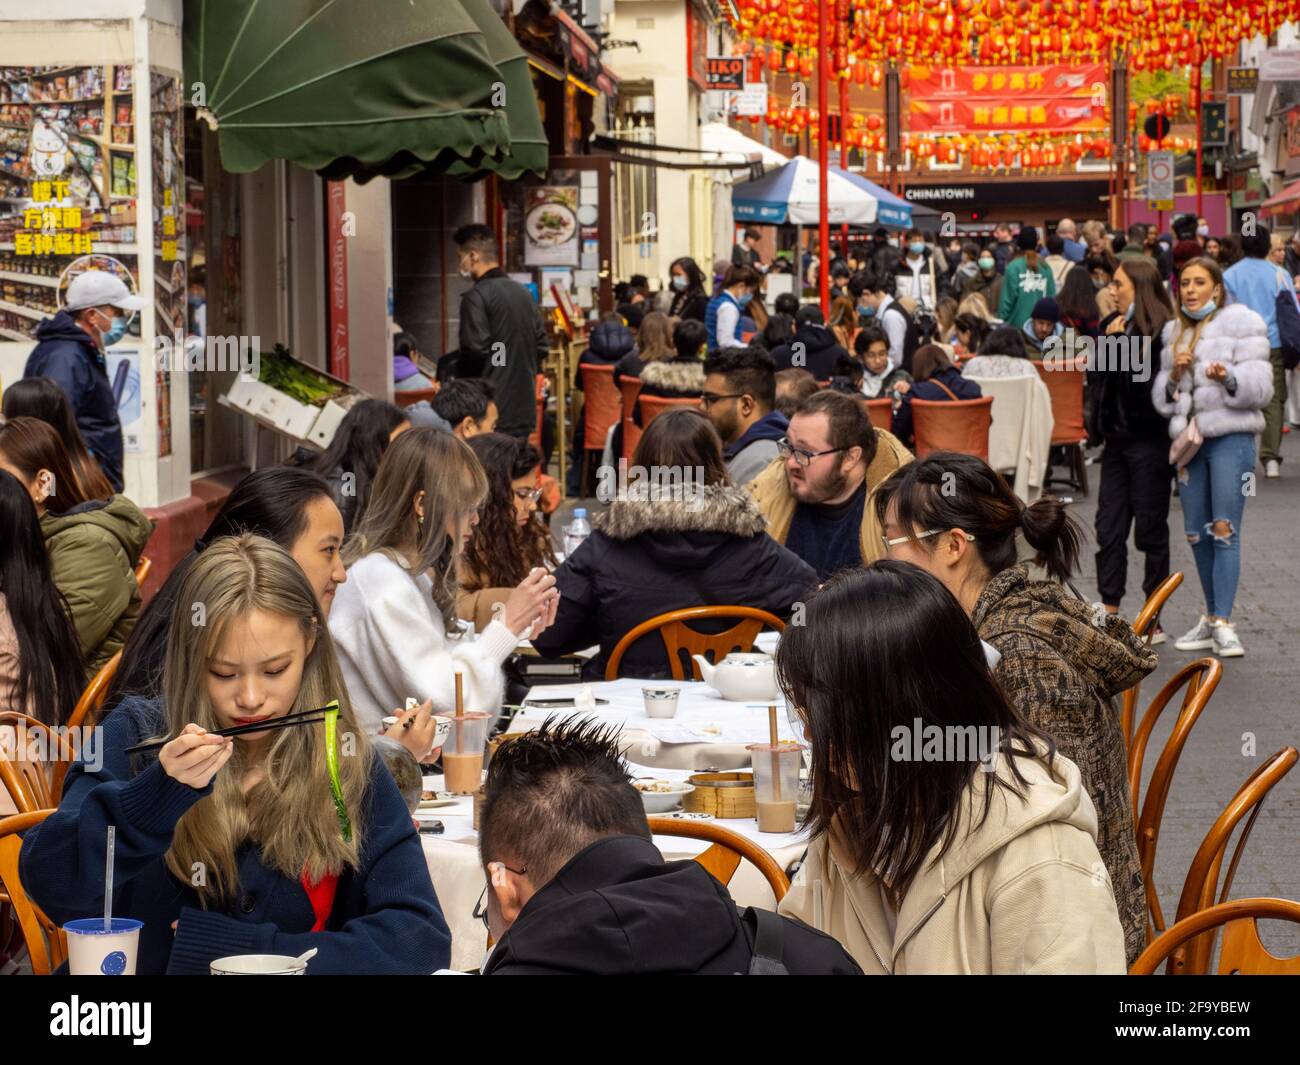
[{"x": 823, "y": 101}]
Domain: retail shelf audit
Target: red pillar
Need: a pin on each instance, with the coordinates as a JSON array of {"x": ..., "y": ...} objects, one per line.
[
  {"x": 844, "y": 151},
  {"x": 1200, "y": 111},
  {"x": 823, "y": 161}
]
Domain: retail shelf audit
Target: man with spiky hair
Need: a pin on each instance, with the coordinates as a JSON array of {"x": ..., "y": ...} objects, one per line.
[{"x": 575, "y": 884}]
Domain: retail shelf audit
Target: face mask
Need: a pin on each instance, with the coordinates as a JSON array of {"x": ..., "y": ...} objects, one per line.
[
  {"x": 196, "y": 301},
  {"x": 1128, "y": 314},
  {"x": 916, "y": 247},
  {"x": 679, "y": 283},
  {"x": 867, "y": 312},
  {"x": 115, "y": 332},
  {"x": 465, "y": 271},
  {"x": 1202, "y": 231},
  {"x": 892, "y": 242},
  {"x": 986, "y": 263},
  {"x": 1098, "y": 283},
  {"x": 744, "y": 298},
  {"x": 1200, "y": 312}
]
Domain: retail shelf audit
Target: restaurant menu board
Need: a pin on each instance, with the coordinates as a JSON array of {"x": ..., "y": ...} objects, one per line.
[
  {"x": 169, "y": 295},
  {"x": 551, "y": 235},
  {"x": 67, "y": 185}
]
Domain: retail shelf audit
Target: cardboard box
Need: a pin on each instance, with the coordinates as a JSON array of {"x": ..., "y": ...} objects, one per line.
[{"x": 322, "y": 433}]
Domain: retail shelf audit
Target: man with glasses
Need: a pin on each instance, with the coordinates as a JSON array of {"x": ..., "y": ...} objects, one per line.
[
  {"x": 815, "y": 501},
  {"x": 575, "y": 884},
  {"x": 739, "y": 394}
]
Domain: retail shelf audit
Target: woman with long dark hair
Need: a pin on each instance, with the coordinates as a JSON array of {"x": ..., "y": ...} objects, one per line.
[
  {"x": 350, "y": 462},
  {"x": 40, "y": 666},
  {"x": 1135, "y": 471},
  {"x": 509, "y": 541},
  {"x": 93, "y": 542},
  {"x": 971, "y": 330},
  {"x": 43, "y": 399},
  {"x": 291, "y": 507},
  {"x": 690, "y": 299},
  {"x": 942, "y": 822},
  {"x": 1078, "y": 302},
  {"x": 1061, "y": 665},
  {"x": 664, "y": 546}
]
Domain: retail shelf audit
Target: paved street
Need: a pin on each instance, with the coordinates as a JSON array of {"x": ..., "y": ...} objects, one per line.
[{"x": 1259, "y": 695}]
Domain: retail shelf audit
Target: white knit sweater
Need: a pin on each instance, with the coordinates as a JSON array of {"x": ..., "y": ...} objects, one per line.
[{"x": 391, "y": 644}]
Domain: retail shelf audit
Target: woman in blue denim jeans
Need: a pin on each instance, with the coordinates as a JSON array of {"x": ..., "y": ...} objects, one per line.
[{"x": 1214, "y": 368}]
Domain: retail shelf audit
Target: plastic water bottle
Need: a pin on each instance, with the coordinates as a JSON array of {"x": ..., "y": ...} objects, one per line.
[{"x": 576, "y": 531}]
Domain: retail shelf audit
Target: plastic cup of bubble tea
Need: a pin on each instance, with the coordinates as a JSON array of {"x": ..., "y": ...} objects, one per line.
[
  {"x": 660, "y": 702},
  {"x": 462, "y": 754},
  {"x": 776, "y": 784},
  {"x": 258, "y": 965},
  {"x": 96, "y": 951}
]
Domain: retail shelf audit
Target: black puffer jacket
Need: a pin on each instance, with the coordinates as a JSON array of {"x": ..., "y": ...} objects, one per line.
[
  {"x": 499, "y": 310},
  {"x": 1121, "y": 394},
  {"x": 648, "y": 556},
  {"x": 608, "y": 343},
  {"x": 820, "y": 352}
]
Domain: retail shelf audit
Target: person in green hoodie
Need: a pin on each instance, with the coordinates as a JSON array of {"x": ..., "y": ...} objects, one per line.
[
  {"x": 1027, "y": 280},
  {"x": 93, "y": 543}
]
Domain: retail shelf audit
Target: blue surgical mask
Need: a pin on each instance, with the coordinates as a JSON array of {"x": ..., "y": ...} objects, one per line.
[
  {"x": 1200, "y": 312},
  {"x": 1132, "y": 309},
  {"x": 867, "y": 312},
  {"x": 744, "y": 298},
  {"x": 680, "y": 283},
  {"x": 916, "y": 247},
  {"x": 115, "y": 332},
  {"x": 987, "y": 263}
]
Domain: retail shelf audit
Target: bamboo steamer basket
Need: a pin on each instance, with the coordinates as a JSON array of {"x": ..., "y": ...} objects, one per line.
[{"x": 727, "y": 796}]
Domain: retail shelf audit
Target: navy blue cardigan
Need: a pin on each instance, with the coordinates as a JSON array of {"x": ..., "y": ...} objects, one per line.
[
  {"x": 385, "y": 920},
  {"x": 960, "y": 387}
]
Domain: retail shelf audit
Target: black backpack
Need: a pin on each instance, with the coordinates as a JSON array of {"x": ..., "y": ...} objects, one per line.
[
  {"x": 766, "y": 934},
  {"x": 1288, "y": 325}
]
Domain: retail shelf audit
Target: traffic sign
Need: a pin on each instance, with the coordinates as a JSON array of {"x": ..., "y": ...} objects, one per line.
[{"x": 1160, "y": 181}]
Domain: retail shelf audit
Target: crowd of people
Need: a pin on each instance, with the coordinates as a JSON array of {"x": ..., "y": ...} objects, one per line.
[{"x": 413, "y": 551}]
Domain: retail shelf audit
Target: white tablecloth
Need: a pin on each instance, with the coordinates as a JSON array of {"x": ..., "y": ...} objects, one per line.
[{"x": 453, "y": 856}]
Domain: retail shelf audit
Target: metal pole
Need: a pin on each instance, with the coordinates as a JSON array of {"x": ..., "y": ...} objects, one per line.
[
  {"x": 1200, "y": 130},
  {"x": 823, "y": 161}
]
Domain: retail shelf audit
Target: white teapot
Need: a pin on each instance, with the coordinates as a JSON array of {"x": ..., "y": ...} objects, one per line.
[{"x": 741, "y": 677}]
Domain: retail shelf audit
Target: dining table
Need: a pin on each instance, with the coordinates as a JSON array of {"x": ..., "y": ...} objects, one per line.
[{"x": 706, "y": 732}]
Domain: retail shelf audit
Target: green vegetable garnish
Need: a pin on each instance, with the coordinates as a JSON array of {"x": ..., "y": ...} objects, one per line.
[{"x": 332, "y": 764}]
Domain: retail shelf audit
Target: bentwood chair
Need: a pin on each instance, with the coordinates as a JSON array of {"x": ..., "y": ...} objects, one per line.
[
  {"x": 412, "y": 396},
  {"x": 728, "y": 848},
  {"x": 629, "y": 388},
  {"x": 960, "y": 425},
  {"x": 1200, "y": 678},
  {"x": 653, "y": 406},
  {"x": 681, "y": 641},
  {"x": 142, "y": 571},
  {"x": 29, "y": 779},
  {"x": 46, "y": 944},
  {"x": 1243, "y": 953},
  {"x": 1202, "y": 883},
  {"x": 1145, "y": 625},
  {"x": 881, "y": 412}
]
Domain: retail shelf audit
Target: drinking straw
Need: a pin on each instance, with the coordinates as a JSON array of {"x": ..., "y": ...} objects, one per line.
[
  {"x": 108, "y": 879},
  {"x": 460, "y": 714},
  {"x": 776, "y": 755}
]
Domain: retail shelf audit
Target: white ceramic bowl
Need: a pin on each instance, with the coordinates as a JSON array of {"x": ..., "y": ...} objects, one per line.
[
  {"x": 257, "y": 965},
  {"x": 660, "y": 802}
]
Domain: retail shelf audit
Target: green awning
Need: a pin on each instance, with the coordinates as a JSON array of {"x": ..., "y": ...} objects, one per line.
[{"x": 358, "y": 88}]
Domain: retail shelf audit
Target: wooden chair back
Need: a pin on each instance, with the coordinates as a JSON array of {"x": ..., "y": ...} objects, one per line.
[
  {"x": 142, "y": 569},
  {"x": 1243, "y": 953},
  {"x": 410, "y": 397},
  {"x": 1201, "y": 678},
  {"x": 728, "y": 848},
  {"x": 603, "y": 405},
  {"x": 630, "y": 388},
  {"x": 1202, "y": 883},
  {"x": 960, "y": 425},
  {"x": 47, "y": 946},
  {"x": 535, "y": 437},
  {"x": 681, "y": 641},
  {"x": 653, "y": 406},
  {"x": 29, "y": 780},
  {"x": 881, "y": 412},
  {"x": 1066, "y": 389},
  {"x": 1145, "y": 626}
]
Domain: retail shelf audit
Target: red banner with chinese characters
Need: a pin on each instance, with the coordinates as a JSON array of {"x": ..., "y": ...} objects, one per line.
[
  {"x": 1055, "y": 98},
  {"x": 337, "y": 255}
]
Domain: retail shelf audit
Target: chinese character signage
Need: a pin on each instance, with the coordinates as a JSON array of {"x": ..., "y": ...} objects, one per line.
[
  {"x": 67, "y": 185},
  {"x": 1051, "y": 98}
]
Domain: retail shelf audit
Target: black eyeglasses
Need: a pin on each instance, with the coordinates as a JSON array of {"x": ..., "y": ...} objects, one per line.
[
  {"x": 802, "y": 458},
  {"x": 707, "y": 399},
  {"x": 480, "y": 911}
]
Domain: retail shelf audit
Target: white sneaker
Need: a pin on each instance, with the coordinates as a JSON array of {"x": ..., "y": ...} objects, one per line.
[
  {"x": 1200, "y": 638},
  {"x": 1158, "y": 636},
  {"x": 1272, "y": 468},
  {"x": 1226, "y": 644}
]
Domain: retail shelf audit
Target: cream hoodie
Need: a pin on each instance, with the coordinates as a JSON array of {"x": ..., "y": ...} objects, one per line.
[{"x": 1026, "y": 892}]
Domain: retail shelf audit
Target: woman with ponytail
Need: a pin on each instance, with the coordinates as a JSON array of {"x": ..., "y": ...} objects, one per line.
[
  {"x": 1027, "y": 280},
  {"x": 1062, "y": 662}
]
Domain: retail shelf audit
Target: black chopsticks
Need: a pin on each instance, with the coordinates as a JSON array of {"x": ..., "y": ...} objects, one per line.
[{"x": 303, "y": 717}]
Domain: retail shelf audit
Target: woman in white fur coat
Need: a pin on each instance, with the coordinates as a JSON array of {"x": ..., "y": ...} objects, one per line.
[{"x": 1215, "y": 369}]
